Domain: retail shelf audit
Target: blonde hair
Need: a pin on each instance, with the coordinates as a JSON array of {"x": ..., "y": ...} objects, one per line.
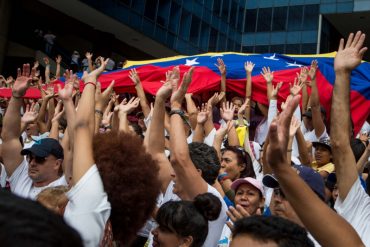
[{"x": 53, "y": 198}]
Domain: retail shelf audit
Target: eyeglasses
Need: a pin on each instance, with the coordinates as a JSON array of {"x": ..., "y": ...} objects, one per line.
[
  {"x": 38, "y": 160},
  {"x": 279, "y": 192}
]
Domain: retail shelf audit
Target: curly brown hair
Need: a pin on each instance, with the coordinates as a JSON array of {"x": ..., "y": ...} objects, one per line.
[{"x": 130, "y": 178}]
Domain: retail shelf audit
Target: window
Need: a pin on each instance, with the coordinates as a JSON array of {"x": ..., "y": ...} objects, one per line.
[
  {"x": 225, "y": 10},
  {"x": 247, "y": 49},
  {"x": 163, "y": 13},
  {"x": 264, "y": 20},
  {"x": 311, "y": 17},
  {"x": 240, "y": 19},
  {"x": 293, "y": 49},
  {"x": 279, "y": 19},
  {"x": 308, "y": 49},
  {"x": 185, "y": 24},
  {"x": 150, "y": 9},
  {"x": 194, "y": 30},
  {"x": 213, "y": 40},
  {"x": 138, "y": 5},
  {"x": 217, "y": 7},
  {"x": 295, "y": 18},
  {"x": 261, "y": 49},
  {"x": 280, "y": 49},
  {"x": 250, "y": 20},
  {"x": 233, "y": 14},
  {"x": 204, "y": 36},
  {"x": 174, "y": 18}
]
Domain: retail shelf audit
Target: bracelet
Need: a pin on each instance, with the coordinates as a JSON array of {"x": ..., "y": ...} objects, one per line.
[
  {"x": 16, "y": 97},
  {"x": 99, "y": 112},
  {"x": 92, "y": 83},
  {"x": 289, "y": 150}
]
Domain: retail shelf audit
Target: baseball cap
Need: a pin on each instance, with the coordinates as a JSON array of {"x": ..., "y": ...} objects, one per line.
[
  {"x": 45, "y": 147},
  {"x": 248, "y": 180},
  {"x": 322, "y": 142},
  {"x": 308, "y": 113},
  {"x": 309, "y": 175}
]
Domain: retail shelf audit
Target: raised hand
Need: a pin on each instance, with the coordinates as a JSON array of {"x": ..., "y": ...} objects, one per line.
[
  {"x": 227, "y": 111},
  {"x": 349, "y": 56},
  {"x": 134, "y": 76},
  {"x": 58, "y": 59},
  {"x": 313, "y": 69},
  {"x": 236, "y": 213},
  {"x": 88, "y": 55},
  {"x": 127, "y": 108},
  {"x": 279, "y": 135},
  {"x": 102, "y": 98},
  {"x": 243, "y": 107},
  {"x": 30, "y": 115},
  {"x": 215, "y": 99},
  {"x": 22, "y": 82},
  {"x": 221, "y": 66},
  {"x": 9, "y": 81},
  {"x": 223, "y": 130},
  {"x": 203, "y": 114},
  {"x": 297, "y": 87},
  {"x": 267, "y": 74},
  {"x": 178, "y": 93},
  {"x": 65, "y": 93},
  {"x": 303, "y": 74},
  {"x": 58, "y": 111},
  {"x": 107, "y": 117},
  {"x": 93, "y": 75},
  {"x": 36, "y": 64},
  {"x": 165, "y": 90},
  {"x": 275, "y": 90},
  {"x": 294, "y": 126},
  {"x": 248, "y": 66}
]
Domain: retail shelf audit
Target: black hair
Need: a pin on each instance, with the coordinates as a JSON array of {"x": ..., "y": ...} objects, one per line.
[
  {"x": 190, "y": 218},
  {"x": 27, "y": 223},
  {"x": 205, "y": 158},
  {"x": 358, "y": 148},
  {"x": 283, "y": 232},
  {"x": 243, "y": 158},
  {"x": 138, "y": 130}
]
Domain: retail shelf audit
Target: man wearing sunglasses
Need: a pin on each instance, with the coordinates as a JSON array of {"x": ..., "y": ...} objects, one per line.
[{"x": 41, "y": 168}]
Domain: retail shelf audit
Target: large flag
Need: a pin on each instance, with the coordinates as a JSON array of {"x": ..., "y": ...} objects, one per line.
[{"x": 206, "y": 77}]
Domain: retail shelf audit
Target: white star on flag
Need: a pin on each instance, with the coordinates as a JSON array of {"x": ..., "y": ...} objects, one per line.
[{"x": 191, "y": 62}]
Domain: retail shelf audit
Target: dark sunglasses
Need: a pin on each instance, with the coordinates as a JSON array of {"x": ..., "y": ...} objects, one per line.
[
  {"x": 38, "y": 160},
  {"x": 279, "y": 192}
]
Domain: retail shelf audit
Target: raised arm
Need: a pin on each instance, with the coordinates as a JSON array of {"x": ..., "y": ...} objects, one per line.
[
  {"x": 317, "y": 121},
  {"x": 348, "y": 58},
  {"x": 227, "y": 114},
  {"x": 134, "y": 76},
  {"x": 303, "y": 78},
  {"x": 308, "y": 206},
  {"x": 101, "y": 101},
  {"x": 83, "y": 157},
  {"x": 47, "y": 70},
  {"x": 192, "y": 110},
  {"x": 123, "y": 110},
  {"x": 88, "y": 56},
  {"x": 11, "y": 147},
  {"x": 156, "y": 144},
  {"x": 186, "y": 173},
  {"x": 222, "y": 68},
  {"x": 58, "y": 60},
  {"x": 54, "y": 130},
  {"x": 199, "y": 129},
  {"x": 41, "y": 119},
  {"x": 363, "y": 160},
  {"x": 248, "y": 66}
]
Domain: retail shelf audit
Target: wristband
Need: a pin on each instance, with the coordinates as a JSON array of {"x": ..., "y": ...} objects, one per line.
[
  {"x": 92, "y": 83},
  {"x": 16, "y": 97},
  {"x": 178, "y": 111},
  {"x": 99, "y": 112}
]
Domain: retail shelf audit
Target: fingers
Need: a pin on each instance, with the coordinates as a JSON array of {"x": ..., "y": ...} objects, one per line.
[
  {"x": 341, "y": 45},
  {"x": 349, "y": 40}
]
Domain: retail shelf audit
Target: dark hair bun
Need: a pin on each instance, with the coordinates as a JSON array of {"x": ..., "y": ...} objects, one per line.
[{"x": 208, "y": 205}]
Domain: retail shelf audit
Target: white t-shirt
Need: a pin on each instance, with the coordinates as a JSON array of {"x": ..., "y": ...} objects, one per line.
[
  {"x": 88, "y": 209},
  {"x": 214, "y": 227},
  {"x": 311, "y": 136},
  {"x": 22, "y": 185},
  {"x": 356, "y": 210},
  {"x": 2, "y": 176}
]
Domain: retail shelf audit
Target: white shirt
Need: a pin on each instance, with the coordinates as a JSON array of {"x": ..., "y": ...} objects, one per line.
[
  {"x": 356, "y": 210},
  {"x": 311, "y": 136},
  {"x": 214, "y": 227},
  {"x": 2, "y": 176},
  {"x": 88, "y": 208},
  {"x": 22, "y": 185}
]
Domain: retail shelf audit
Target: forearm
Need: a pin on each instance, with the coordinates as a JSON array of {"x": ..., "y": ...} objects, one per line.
[
  {"x": 178, "y": 145},
  {"x": 98, "y": 118},
  {"x": 232, "y": 137},
  {"x": 70, "y": 116},
  {"x": 123, "y": 122},
  {"x": 57, "y": 73},
  {"x": 248, "y": 87},
  {"x": 143, "y": 101},
  {"x": 12, "y": 120},
  {"x": 223, "y": 86},
  {"x": 304, "y": 99},
  {"x": 51, "y": 110},
  {"x": 192, "y": 110},
  {"x": 47, "y": 74},
  {"x": 54, "y": 130},
  {"x": 302, "y": 149},
  {"x": 315, "y": 100},
  {"x": 198, "y": 133},
  {"x": 91, "y": 67},
  {"x": 42, "y": 111},
  {"x": 289, "y": 150},
  {"x": 362, "y": 161},
  {"x": 156, "y": 133},
  {"x": 310, "y": 209}
]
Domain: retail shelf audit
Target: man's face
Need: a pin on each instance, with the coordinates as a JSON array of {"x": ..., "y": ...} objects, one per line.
[
  {"x": 280, "y": 206},
  {"x": 308, "y": 123},
  {"x": 42, "y": 169}
]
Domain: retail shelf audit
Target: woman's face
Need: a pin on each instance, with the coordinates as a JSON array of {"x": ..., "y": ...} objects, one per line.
[
  {"x": 163, "y": 237},
  {"x": 249, "y": 197},
  {"x": 230, "y": 165},
  {"x": 335, "y": 192},
  {"x": 322, "y": 155}
]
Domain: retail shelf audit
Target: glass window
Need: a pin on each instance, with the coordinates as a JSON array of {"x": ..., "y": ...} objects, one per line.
[
  {"x": 279, "y": 49},
  {"x": 208, "y": 4},
  {"x": 250, "y": 20},
  {"x": 174, "y": 18},
  {"x": 194, "y": 30},
  {"x": 308, "y": 49},
  {"x": 138, "y": 5},
  {"x": 240, "y": 19},
  {"x": 292, "y": 49},
  {"x": 278, "y": 38},
  {"x": 264, "y": 20},
  {"x": 233, "y": 13},
  {"x": 148, "y": 27},
  {"x": 170, "y": 40},
  {"x": 295, "y": 18},
  {"x": 221, "y": 45},
  {"x": 311, "y": 17},
  {"x": 225, "y": 10},
  {"x": 279, "y": 19},
  {"x": 160, "y": 34},
  {"x": 261, "y": 49},
  {"x": 185, "y": 24},
  {"x": 247, "y": 49},
  {"x": 150, "y": 9},
  {"x": 163, "y": 13},
  {"x": 213, "y": 40},
  {"x": 217, "y": 7},
  {"x": 204, "y": 36}
]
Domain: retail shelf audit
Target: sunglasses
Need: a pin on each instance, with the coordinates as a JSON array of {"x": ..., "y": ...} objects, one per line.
[
  {"x": 279, "y": 192},
  {"x": 38, "y": 160}
]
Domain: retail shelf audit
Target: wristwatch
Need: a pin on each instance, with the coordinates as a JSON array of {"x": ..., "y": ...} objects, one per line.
[{"x": 178, "y": 111}]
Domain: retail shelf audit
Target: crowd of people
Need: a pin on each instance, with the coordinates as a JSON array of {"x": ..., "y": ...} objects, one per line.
[{"x": 91, "y": 168}]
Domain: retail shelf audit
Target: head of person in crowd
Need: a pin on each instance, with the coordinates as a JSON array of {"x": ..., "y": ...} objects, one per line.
[
  {"x": 262, "y": 231},
  {"x": 45, "y": 159},
  {"x": 140, "y": 120},
  {"x": 205, "y": 160},
  {"x": 32, "y": 130},
  {"x": 237, "y": 102},
  {"x": 185, "y": 223},
  {"x": 130, "y": 178},
  {"x": 26, "y": 223},
  {"x": 249, "y": 194},
  {"x": 136, "y": 128},
  {"x": 322, "y": 153},
  {"x": 307, "y": 117},
  {"x": 237, "y": 163},
  {"x": 279, "y": 205},
  {"x": 54, "y": 198},
  {"x": 331, "y": 189},
  {"x": 358, "y": 147}
]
